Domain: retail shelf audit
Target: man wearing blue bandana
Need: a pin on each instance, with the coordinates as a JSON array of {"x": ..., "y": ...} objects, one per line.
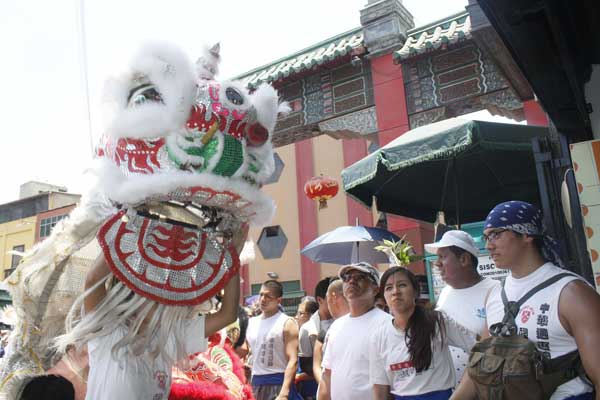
[{"x": 562, "y": 317}]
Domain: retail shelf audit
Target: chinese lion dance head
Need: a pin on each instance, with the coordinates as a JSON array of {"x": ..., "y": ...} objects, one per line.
[
  {"x": 182, "y": 147},
  {"x": 178, "y": 172}
]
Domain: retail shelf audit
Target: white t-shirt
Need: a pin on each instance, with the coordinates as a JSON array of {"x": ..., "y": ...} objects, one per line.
[
  {"x": 134, "y": 378},
  {"x": 390, "y": 363},
  {"x": 467, "y": 307},
  {"x": 265, "y": 338},
  {"x": 347, "y": 354},
  {"x": 538, "y": 318},
  {"x": 311, "y": 328}
]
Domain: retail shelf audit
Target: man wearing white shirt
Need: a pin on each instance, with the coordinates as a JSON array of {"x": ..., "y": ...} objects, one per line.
[
  {"x": 463, "y": 298},
  {"x": 346, "y": 359}
]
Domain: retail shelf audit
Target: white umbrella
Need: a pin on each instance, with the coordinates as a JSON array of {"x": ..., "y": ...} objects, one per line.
[{"x": 349, "y": 244}]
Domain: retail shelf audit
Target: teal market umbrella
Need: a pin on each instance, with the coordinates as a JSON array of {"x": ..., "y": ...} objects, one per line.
[{"x": 461, "y": 167}]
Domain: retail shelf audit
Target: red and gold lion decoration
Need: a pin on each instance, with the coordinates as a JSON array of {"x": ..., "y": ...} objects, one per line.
[{"x": 216, "y": 374}]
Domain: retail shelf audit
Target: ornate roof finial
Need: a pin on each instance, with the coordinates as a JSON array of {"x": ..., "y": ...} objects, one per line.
[{"x": 207, "y": 65}]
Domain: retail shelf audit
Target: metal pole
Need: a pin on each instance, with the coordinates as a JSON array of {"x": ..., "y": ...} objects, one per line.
[
  {"x": 456, "y": 192},
  {"x": 84, "y": 68},
  {"x": 445, "y": 185}
]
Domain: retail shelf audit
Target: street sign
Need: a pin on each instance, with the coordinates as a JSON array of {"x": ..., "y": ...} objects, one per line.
[{"x": 488, "y": 269}]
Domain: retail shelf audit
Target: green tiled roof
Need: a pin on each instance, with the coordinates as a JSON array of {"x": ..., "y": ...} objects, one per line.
[
  {"x": 430, "y": 37},
  {"x": 303, "y": 60}
]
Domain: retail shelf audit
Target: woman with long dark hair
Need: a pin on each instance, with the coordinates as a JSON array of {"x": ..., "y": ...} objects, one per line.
[{"x": 409, "y": 357}]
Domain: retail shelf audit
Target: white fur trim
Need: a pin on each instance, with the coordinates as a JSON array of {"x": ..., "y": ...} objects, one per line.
[
  {"x": 176, "y": 143},
  {"x": 264, "y": 155},
  {"x": 173, "y": 75},
  {"x": 131, "y": 190},
  {"x": 284, "y": 108},
  {"x": 266, "y": 102},
  {"x": 13, "y": 388},
  {"x": 247, "y": 255}
]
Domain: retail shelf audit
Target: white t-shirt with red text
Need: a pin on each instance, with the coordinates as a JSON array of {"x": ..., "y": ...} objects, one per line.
[{"x": 390, "y": 363}]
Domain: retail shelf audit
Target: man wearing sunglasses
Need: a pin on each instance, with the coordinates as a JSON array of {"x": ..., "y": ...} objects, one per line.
[
  {"x": 560, "y": 318},
  {"x": 346, "y": 359}
]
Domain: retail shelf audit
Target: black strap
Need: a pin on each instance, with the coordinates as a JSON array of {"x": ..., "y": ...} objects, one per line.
[
  {"x": 512, "y": 308},
  {"x": 562, "y": 369}
]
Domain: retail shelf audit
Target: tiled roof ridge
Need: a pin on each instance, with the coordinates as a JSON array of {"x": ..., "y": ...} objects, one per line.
[
  {"x": 304, "y": 59},
  {"x": 433, "y": 35},
  {"x": 439, "y": 22}
]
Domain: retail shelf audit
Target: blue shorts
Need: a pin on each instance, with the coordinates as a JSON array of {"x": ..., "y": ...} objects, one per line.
[{"x": 437, "y": 395}]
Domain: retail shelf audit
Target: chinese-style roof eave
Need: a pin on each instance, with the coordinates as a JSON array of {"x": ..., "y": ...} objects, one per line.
[
  {"x": 321, "y": 53},
  {"x": 424, "y": 39},
  {"x": 555, "y": 45}
]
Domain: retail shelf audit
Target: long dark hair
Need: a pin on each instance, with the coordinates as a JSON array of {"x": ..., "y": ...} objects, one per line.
[
  {"x": 422, "y": 324},
  {"x": 243, "y": 321}
]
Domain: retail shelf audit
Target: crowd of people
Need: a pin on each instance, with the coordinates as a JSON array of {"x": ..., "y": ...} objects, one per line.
[{"x": 367, "y": 335}]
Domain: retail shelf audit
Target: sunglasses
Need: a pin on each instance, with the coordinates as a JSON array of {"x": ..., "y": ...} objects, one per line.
[
  {"x": 358, "y": 276},
  {"x": 493, "y": 236}
]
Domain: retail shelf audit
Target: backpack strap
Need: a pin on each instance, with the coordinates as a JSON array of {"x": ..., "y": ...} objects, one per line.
[{"x": 508, "y": 325}]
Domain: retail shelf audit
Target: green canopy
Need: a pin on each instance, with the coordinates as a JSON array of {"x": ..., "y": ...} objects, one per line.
[{"x": 458, "y": 166}]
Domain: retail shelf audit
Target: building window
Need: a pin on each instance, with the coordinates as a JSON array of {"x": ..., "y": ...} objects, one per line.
[
  {"x": 48, "y": 223},
  {"x": 290, "y": 304},
  {"x": 255, "y": 288},
  {"x": 15, "y": 257},
  {"x": 272, "y": 242}
]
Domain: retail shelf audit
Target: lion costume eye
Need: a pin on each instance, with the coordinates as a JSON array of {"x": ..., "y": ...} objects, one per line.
[
  {"x": 234, "y": 96},
  {"x": 142, "y": 94}
]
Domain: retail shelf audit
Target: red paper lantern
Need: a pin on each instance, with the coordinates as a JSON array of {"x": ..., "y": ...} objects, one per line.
[{"x": 321, "y": 188}]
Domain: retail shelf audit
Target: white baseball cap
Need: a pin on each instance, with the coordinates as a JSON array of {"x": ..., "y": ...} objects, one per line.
[{"x": 454, "y": 238}]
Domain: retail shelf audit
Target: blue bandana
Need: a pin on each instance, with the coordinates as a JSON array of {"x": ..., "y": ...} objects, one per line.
[{"x": 526, "y": 219}]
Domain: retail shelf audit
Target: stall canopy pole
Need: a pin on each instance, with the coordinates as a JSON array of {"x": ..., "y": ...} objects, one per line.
[
  {"x": 445, "y": 184},
  {"x": 457, "y": 192}
]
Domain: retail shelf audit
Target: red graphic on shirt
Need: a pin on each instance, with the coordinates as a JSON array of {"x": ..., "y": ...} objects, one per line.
[
  {"x": 526, "y": 313},
  {"x": 161, "y": 378},
  {"x": 401, "y": 365}
]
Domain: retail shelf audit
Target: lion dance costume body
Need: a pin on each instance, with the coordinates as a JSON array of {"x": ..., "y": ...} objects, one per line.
[{"x": 178, "y": 171}]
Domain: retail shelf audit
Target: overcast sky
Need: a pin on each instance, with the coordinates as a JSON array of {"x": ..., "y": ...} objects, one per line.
[{"x": 44, "y": 120}]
